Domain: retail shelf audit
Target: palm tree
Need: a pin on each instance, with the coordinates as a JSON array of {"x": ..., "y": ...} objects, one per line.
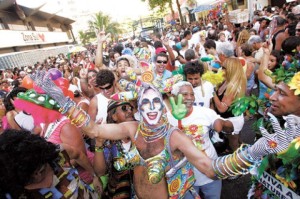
[
  {"x": 101, "y": 22},
  {"x": 84, "y": 37},
  {"x": 161, "y": 4}
]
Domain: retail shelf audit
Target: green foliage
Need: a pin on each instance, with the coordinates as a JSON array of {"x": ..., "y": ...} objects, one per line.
[
  {"x": 240, "y": 105},
  {"x": 285, "y": 75},
  {"x": 161, "y": 4},
  {"x": 85, "y": 37},
  {"x": 102, "y": 22},
  {"x": 262, "y": 122}
]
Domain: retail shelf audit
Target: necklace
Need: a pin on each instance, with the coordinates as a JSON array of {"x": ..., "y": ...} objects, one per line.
[
  {"x": 154, "y": 137},
  {"x": 154, "y": 134}
]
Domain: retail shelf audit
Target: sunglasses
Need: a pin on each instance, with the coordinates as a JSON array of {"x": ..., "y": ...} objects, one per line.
[
  {"x": 126, "y": 108},
  {"x": 107, "y": 87},
  {"x": 159, "y": 61},
  {"x": 298, "y": 30}
]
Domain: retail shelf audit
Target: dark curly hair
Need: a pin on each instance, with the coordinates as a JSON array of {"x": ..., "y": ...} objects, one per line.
[
  {"x": 21, "y": 154},
  {"x": 10, "y": 96},
  {"x": 193, "y": 67},
  {"x": 105, "y": 77}
]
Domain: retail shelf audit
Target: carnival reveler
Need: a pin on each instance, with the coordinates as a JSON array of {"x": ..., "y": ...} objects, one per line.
[{"x": 159, "y": 149}]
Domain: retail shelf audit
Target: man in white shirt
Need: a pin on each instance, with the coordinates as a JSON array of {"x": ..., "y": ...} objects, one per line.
[
  {"x": 196, "y": 124},
  {"x": 105, "y": 81},
  {"x": 203, "y": 89}
]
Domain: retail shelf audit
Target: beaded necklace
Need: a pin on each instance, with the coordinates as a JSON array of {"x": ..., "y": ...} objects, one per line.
[{"x": 153, "y": 134}]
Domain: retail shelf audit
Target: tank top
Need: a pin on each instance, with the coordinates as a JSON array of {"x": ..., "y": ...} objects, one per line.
[
  {"x": 274, "y": 38},
  {"x": 227, "y": 113}
]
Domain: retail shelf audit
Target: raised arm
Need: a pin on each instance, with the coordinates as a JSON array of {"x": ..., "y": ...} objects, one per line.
[
  {"x": 180, "y": 141},
  {"x": 263, "y": 67},
  {"x": 84, "y": 85},
  {"x": 101, "y": 38}
]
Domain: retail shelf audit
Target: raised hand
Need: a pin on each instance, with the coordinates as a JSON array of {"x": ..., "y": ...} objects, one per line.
[
  {"x": 42, "y": 79},
  {"x": 270, "y": 143},
  {"x": 178, "y": 110},
  {"x": 101, "y": 37},
  {"x": 292, "y": 127},
  {"x": 83, "y": 73},
  {"x": 165, "y": 41}
]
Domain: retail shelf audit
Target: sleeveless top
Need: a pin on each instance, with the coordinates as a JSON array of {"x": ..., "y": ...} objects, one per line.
[
  {"x": 102, "y": 103},
  {"x": 119, "y": 182},
  {"x": 178, "y": 184},
  {"x": 274, "y": 38},
  {"x": 227, "y": 113}
]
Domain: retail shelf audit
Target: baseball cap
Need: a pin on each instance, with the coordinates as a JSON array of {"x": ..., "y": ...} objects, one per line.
[
  {"x": 114, "y": 104},
  {"x": 160, "y": 50}
]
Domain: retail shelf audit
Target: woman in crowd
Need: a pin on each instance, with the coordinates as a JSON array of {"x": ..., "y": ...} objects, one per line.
[
  {"x": 272, "y": 62},
  {"x": 233, "y": 87}
]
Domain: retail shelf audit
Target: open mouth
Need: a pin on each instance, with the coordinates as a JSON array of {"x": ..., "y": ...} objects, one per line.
[
  {"x": 152, "y": 116},
  {"x": 189, "y": 103},
  {"x": 123, "y": 73}
]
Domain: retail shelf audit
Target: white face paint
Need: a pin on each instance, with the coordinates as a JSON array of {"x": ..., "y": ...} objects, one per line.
[{"x": 151, "y": 107}]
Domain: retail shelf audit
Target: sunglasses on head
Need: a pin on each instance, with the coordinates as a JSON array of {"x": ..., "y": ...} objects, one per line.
[
  {"x": 107, "y": 87},
  {"x": 160, "y": 61}
]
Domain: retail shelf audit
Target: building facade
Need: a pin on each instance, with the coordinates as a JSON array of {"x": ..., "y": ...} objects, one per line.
[{"x": 29, "y": 35}]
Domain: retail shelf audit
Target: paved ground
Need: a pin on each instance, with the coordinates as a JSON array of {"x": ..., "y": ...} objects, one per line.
[{"x": 238, "y": 189}]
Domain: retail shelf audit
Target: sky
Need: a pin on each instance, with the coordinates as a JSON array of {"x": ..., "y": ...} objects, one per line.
[{"x": 117, "y": 9}]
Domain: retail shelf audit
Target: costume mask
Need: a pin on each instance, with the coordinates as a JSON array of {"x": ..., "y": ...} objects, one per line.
[{"x": 151, "y": 106}]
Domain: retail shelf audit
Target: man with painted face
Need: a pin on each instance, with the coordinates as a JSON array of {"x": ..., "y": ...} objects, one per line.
[
  {"x": 160, "y": 151},
  {"x": 197, "y": 126}
]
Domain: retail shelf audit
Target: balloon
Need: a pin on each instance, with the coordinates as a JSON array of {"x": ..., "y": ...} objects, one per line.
[
  {"x": 65, "y": 91},
  {"x": 70, "y": 94},
  {"x": 54, "y": 73},
  {"x": 27, "y": 82},
  {"x": 62, "y": 82}
]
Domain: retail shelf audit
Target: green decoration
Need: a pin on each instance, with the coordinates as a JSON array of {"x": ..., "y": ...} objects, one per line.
[{"x": 179, "y": 110}]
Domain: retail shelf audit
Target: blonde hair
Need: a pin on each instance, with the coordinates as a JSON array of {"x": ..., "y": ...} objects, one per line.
[
  {"x": 235, "y": 78},
  {"x": 243, "y": 37}
]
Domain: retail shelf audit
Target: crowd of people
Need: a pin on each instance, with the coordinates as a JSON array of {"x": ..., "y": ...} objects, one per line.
[{"x": 141, "y": 118}]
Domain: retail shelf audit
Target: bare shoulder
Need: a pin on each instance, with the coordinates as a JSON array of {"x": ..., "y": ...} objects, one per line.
[
  {"x": 130, "y": 127},
  {"x": 94, "y": 101}
]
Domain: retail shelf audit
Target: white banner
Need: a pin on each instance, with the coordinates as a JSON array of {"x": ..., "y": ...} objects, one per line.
[
  {"x": 277, "y": 187},
  {"x": 10, "y": 38}
]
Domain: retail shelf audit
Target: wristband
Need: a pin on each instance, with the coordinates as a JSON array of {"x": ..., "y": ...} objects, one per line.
[{"x": 99, "y": 149}]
